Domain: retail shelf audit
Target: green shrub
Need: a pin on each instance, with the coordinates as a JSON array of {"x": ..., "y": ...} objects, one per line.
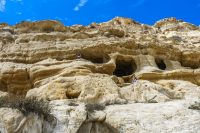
[
  {"x": 73, "y": 104},
  {"x": 93, "y": 107}
]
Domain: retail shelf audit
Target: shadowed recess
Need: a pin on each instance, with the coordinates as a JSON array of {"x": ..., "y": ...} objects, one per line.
[
  {"x": 161, "y": 64},
  {"x": 3, "y": 86},
  {"x": 96, "y": 127},
  {"x": 97, "y": 59},
  {"x": 124, "y": 67},
  {"x": 191, "y": 65}
]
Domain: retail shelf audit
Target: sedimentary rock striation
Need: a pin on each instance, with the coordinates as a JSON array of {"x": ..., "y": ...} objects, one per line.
[{"x": 145, "y": 76}]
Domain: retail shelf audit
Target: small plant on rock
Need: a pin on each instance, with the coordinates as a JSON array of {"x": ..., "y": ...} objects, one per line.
[
  {"x": 92, "y": 107},
  {"x": 27, "y": 106},
  {"x": 195, "y": 106},
  {"x": 73, "y": 104}
]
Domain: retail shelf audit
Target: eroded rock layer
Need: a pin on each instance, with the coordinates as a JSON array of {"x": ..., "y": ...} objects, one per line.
[{"x": 120, "y": 64}]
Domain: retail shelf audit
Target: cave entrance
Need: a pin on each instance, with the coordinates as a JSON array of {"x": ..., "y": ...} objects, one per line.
[
  {"x": 124, "y": 67},
  {"x": 161, "y": 64},
  {"x": 96, "y": 58}
]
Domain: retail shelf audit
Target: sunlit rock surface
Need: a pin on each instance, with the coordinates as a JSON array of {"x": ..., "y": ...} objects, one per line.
[{"x": 146, "y": 77}]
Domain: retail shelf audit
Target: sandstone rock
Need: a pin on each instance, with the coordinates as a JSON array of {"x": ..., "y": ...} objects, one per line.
[
  {"x": 14, "y": 78},
  {"x": 93, "y": 88},
  {"x": 3, "y": 94},
  {"x": 181, "y": 89},
  {"x": 97, "y": 116},
  {"x": 12, "y": 121},
  {"x": 195, "y": 106},
  {"x": 154, "y": 71},
  {"x": 130, "y": 118},
  {"x": 144, "y": 92},
  {"x": 40, "y": 26},
  {"x": 170, "y": 24},
  {"x": 159, "y": 117},
  {"x": 69, "y": 118}
]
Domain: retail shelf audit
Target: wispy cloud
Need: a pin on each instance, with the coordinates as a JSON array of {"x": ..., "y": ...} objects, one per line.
[
  {"x": 17, "y": 1},
  {"x": 2, "y": 5},
  {"x": 19, "y": 13},
  {"x": 138, "y": 3},
  {"x": 33, "y": 19},
  {"x": 81, "y": 4}
]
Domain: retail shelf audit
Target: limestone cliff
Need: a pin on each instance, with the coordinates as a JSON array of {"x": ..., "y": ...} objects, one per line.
[{"x": 145, "y": 76}]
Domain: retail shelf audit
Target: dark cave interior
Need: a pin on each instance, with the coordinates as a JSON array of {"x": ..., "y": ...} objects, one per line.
[
  {"x": 124, "y": 67},
  {"x": 161, "y": 64}
]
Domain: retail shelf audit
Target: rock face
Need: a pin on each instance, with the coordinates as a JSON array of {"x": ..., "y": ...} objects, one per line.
[{"x": 145, "y": 76}]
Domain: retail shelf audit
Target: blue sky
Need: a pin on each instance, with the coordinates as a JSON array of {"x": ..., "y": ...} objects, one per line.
[{"x": 87, "y": 11}]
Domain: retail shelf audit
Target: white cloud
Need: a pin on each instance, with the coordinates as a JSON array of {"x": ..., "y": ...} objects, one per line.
[
  {"x": 2, "y": 5},
  {"x": 81, "y": 3},
  {"x": 76, "y": 8},
  {"x": 28, "y": 19}
]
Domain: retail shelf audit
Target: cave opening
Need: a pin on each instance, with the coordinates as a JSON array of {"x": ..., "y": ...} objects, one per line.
[
  {"x": 124, "y": 67},
  {"x": 161, "y": 64},
  {"x": 95, "y": 58},
  {"x": 72, "y": 96}
]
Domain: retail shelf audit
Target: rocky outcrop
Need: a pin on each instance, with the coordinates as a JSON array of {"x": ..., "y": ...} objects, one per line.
[
  {"x": 145, "y": 76},
  {"x": 93, "y": 88},
  {"x": 12, "y": 121}
]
